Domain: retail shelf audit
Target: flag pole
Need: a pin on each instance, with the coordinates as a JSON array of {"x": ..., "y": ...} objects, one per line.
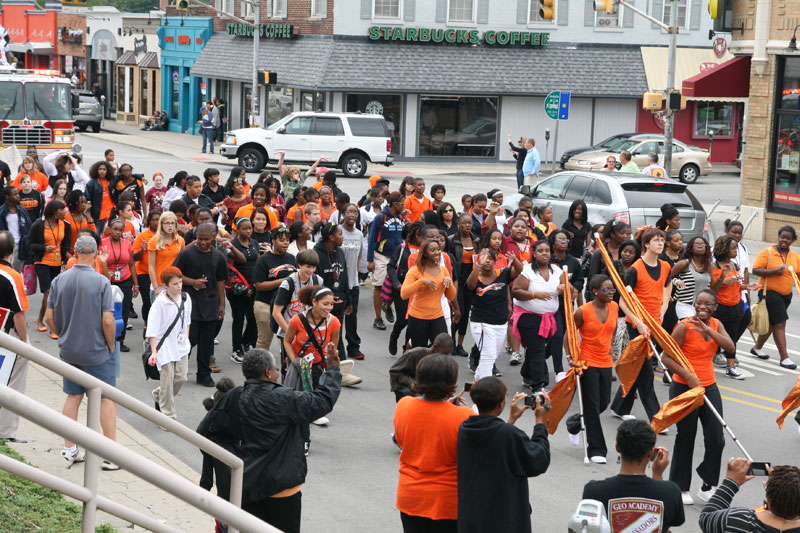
[
  {"x": 726, "y": 426},
  {"x": 583, "y": 424}
]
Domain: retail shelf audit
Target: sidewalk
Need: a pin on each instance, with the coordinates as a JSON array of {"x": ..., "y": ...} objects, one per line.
[
  {"x": 186, "y": 146},
  {"x": 43, "y": 450}
]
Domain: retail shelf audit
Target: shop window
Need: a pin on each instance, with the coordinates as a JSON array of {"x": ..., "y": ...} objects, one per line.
[
  {"x": 175, "y": 76},
  {"x": 388, "y": 105},
  {"x": 319, "y": 8},
  {"x": 144, "y": 108},
  {"x": 458, "y": 126},
  {"x": 786, "y": 171},
  {"x": 224, "y": 5},
  {"x": 683, "y": 19},
  {"x": 386, "y": 9},
  {"x": 246, "y": 9},
  {"x": 279, "y": 103},
  {"x": 713, "y": 116},
  {"x": 279, "y": 9},
  {"x": 247, "y": 99},
  {"x": 125, "y": 89},
  {"x": 461, "y": 11},
  {"x": 609, "y": 20},
  {"x": 533, "y": 13},
  {"x": 790, "y": 88},
  {"x": 312, "y": 101}
]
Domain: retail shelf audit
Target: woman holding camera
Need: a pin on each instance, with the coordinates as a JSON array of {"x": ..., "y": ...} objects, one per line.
[{"x": 699, "y": 336}]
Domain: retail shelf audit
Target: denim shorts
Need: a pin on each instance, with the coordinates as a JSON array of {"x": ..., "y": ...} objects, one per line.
[{"x": 105, "y": 372}]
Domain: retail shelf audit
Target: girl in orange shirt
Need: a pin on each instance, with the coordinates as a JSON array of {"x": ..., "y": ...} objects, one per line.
[
  {"x": 28, "y": 167},
  {"x": 596, "y": 322},
  {"x": 78, "y": 216},
  {"x": 545, "y": 214},
  {"x": 699, "y": 337},
  {"x": 162, "y": 250},
  {"x": 326, "y": 206},
  {"x": 140, "y": 255}
]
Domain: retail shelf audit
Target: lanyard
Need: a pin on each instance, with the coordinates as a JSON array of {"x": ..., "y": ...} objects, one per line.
[
  {"x": 180, "y": 308},
  {"x": 56, "y": 239}
]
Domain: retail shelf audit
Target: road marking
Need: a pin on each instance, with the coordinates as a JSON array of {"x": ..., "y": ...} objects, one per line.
[
  {"x": 793, "y": 335},
  {"x": 767, "y": 364},
  {"x": 755, "y": 367},
  {"x": 745, "y": 393},
  {"x": 767, "y": 345},
  {"x": 751, "y": 404}
]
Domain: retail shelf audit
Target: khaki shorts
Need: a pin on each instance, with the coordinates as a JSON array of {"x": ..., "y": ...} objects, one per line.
[{"x": 379, "y": 273}]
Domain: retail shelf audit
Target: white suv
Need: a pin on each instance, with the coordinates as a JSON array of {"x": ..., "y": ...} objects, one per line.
[{"x": 348, "y": 139}]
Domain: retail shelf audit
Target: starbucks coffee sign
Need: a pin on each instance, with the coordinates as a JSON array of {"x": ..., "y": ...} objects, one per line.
[
  {"x": 267, "y": 31},
  {"x": 456, "y": 36}
]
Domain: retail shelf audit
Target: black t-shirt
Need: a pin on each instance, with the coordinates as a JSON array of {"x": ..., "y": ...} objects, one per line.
[
  {"x": 33, "y": 202},
  {"x": 269, "y": 268},
  {"x": 5, "y": 172},
  {"x": 195, "y": 264},
  {"x": 490, "y": 302},
  {"x": 134, "y": 187},
  {"x": 250, "y": 254},
  {"x": 10, "y": 290},
  {"x": 633, "y": 500},
  {"x": 261, "y": 238},
  {"x": 216, "y": 196},
  {"x": 578, "y": 241}
]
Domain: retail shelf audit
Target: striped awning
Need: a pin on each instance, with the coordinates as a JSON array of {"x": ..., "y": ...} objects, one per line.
[
  {"x": 127, "y": 58},
  {"x": 688, "y": 63}
]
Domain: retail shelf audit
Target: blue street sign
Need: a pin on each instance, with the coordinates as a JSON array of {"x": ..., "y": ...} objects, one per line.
[{"x": 563, "y": 106}]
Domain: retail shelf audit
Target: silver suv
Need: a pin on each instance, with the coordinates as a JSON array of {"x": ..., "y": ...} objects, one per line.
[
  {"x": 89, "y": 113},
  {"x": 630, "y": 198}
]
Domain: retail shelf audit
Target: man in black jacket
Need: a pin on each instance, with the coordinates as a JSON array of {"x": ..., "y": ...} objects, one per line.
[
  {"x": 495, "y": 460},
  {"x": 271, "y": 417}
]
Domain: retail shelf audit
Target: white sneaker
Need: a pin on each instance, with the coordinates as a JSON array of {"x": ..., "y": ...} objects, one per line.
[
  {"x": 720, "y": 360},
  {"x": 72, "y": 457},
  {"x": 321, "y": 421},
  {"x": 216, "y": 342},
  {"x": 346, "y": 366},
  {"x": 560, "y": 376},
  {"x": 515, "y": 359},
  {"x": 731, "y": 372},
  {"x": 686, "y": 498},
  {"x": 348, "y": 380},
  {"x": 706, "y": 495},
  {"x": 508, "y": 348},
  {"x": 598, "y": 459},
  {"x": 665, "y": 431},
  {"x": 575, "y": 439},
  {"x": 623, "y": 417},
  {"x": 108, "y": 466}
]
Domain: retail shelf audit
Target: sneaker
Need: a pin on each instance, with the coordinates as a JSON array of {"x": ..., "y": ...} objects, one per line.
[
  {"x": 598, "y": 460},
  {"x": 515, "y": 359},
  {"x": 72, "y": 457},
  {"x": 496, "y": 372},
  {"x": 216, "y": 342},
  {"x": 561, "y": 375},
  {"x": 358, "y": 356},
  {"x": 759, "y": 353},
  {"x": 509, "y": 349},
  {"x": 123, "y": 348},
  {"x": 623, "y": 417},
  {"x": 396, "y": 443},
  {"x": 664, "y": 431},
  {"x": 133, "y": 314},
  {"x": 686, "y": 498},
  {"x": 387, "y": 309},
  {"x": 237, "y": 357},
  {"x": 321, "y": 421},
  {"x": 788, "y": 363},
  {"x": 720, "y": 360},
  {"x": 393, "y": 345},
  {"x": 460, "y": 351},
  {"x": 306, "y": 448},
  {"x": 348, "y": 380},
  {"x": 129, "y": 327},
  {"x": 706, "y": 495},
  {"x": 155, "y": 400},
  {"x": 575, "y": 439},
  {"x": 108, "y": 466},
  {"x": 733, "y": 373},
  {"x": 378, "y": 324}
]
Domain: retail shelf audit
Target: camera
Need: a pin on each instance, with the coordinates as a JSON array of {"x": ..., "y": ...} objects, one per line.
[{"x": 530, "y": 400}]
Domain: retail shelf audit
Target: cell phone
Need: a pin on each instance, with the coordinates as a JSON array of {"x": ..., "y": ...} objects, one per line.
[
  {"x": 759, "y": 468},
  {"x": 655, "y": 453},
  {"x": 467, "y": 386}
]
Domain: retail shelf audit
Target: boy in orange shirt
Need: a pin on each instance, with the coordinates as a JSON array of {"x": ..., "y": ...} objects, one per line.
[{"x": 418, "y": 203}]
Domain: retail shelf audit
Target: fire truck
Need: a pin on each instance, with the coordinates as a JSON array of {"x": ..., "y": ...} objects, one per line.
[{"x": 35, "y": 109}]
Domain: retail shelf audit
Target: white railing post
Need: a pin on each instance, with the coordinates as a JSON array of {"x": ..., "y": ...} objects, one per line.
[{"x": 90, "y": 469}]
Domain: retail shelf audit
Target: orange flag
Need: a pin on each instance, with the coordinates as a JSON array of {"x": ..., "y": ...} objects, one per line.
[
  {"x": 561, "y": 398},
  {"x": 630, "y": 362},
  {"x": 791, "y": 402},
  {"x": 677, "y": 408},
  {"x": 569, "y": 316}
]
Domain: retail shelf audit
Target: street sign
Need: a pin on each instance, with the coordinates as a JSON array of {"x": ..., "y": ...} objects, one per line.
[
  {"x": 563, "y": 106},
  {"x": 551, "y": 104}
]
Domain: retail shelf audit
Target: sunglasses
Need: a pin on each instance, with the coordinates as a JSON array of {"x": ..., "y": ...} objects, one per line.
[
  {"x": 608, "y": 291},
  {"x": 449, "y": 211}
]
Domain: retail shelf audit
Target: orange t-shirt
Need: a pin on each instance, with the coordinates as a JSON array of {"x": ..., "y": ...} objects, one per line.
[
  {"x": 317, "y": 185},
  {"x": 16, "y": 281},
  {"x": 129, "y": 232},
  {"x": 412, "y": 260},
  {"x": 165, "y": 257},
  {"x": 424, "y": 303},
  {"x": 142, "y": 264},
  {"x": 649, "y": 291},
  {"x": 427, "y": 432},
  {"x": 247, "y": 211},
  {"x": 417, "y": 206},
  {"x": 781, "y": 284},
  {"x": 53, "y": 237},
  {"x": 106, "y": 203},
  {"x": 76, "y": 228},
  {"x": 326, "y": 215},
  {"x": 98, "y": 265},
  {"x": 728, "y": 294},
  {"x": 323, "y": 333},
  {"x": 596, "y": 336},
  {"x": 38, "y": 180},
  {"x": 525, "y": 250},
  {"x": 699, "y": 352}
]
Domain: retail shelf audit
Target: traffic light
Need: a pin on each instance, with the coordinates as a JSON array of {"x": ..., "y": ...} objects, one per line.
[
  {"x": 547, "y": 9},
  {"x": 182, "y": 5},
  {"x": 653, "y": 101},
  {"x": 268, "y": 78},
  {"x": 604, "y": 5},
  {"x": 713, "y": 8}
]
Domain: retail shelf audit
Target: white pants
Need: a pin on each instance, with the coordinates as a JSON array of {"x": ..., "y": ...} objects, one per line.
[
  {"x": 9, "y": 422},
  {"x": 684, "y": 310},
  {"x": 494, "y": 337},
  {"x": 446, "y": 309}
]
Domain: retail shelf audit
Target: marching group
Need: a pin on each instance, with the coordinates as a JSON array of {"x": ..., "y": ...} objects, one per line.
[{"x": 291, "y": 259}]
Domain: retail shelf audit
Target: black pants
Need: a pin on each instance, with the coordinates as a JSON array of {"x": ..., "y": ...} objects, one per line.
[
  {"x": 534, "y": 367},
  {"x": 680, "y": 470},
  {"x": 351, "y": 325},
  {"x": 400, "y": 320},
  {"x": 420, "y": 524},
  {"x": 422, "y": 331},
  {"x": 201, "y": 334},
  {"x": 464, "y": 298},
  {"x": 596, "y": 393},
  {"x": 283, "y": 513},
  {"x": 644, "y": 385},
  {"x": 402, "y": 392},
  {"x": 731, "y": 317},
  {"x": 338, "y": 312},
  {"x": 555, "y": 344},
  {"x": 144, "y": 292},
  {"x": 126, "y": 286},
  {"x": 241, "y": 309}
]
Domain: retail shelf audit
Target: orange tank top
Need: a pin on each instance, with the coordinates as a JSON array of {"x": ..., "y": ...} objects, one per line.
[
  {"x": 596, "y": 336},
  {"x": 466, "y": 255},
  {"x": 699, "y": 352},
  {"x": 728, "y": 294},
  {"x": 650, "y": 291}
]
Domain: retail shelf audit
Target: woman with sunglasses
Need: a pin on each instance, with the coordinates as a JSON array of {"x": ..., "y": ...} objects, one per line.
[
  {"x": 692, "y": 274},
  {"x": 162, "y": 250},
  {"x": 611, "y": 164},
  {"x": 465, "y": 245},
  {"x": 447, "y": 218}
]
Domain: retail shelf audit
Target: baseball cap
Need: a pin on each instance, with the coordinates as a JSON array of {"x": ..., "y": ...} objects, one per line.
[
  {"x": 373, "y": 180},
  {"x": 85, "y": 245}
]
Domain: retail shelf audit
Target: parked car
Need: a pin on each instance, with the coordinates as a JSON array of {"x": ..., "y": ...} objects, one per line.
[
  {"x": 89, "y": 113},
  {"x": 688, "y": 162},
  {"x": 631, "y": 198},
  {"x": 350, "y": 140},
  {"x": 602, "y": 145}
]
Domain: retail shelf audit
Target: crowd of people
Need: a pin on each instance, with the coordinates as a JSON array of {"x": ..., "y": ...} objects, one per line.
[{"x": 291, "y": 252}]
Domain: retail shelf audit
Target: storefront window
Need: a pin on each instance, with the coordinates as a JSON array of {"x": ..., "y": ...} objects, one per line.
[
  {"x": 388, "y": 105},
  {"x": 790, "y": 93},
  {"x": 713, "y": 116},
  {"x": 312, "y": 101},
  {"x": 121, "y": 89},
  {"x": 454, "y": 126},
  {"x": 175, "y": 76},
  {"x": 279, "y": 103},
  {"x": 144, "y": 108},
  {"x": 247, "y": 98},
  {"x": 786, "y": 174}
]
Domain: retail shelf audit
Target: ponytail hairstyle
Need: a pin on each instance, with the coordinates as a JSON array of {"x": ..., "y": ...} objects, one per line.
[{"x": 313, "y": 293}]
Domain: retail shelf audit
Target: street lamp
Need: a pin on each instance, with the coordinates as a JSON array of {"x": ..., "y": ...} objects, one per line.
[
  {"x": 793, "y": 41},
  {"x": 710, "y": 142}
]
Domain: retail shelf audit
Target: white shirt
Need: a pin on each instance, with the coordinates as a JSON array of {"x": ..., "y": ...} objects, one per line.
[
  {"x": 162, "y": 313},
  {"x": 655, "y": 170},
  {"x": 536, "y": 283},
  {"x": 12, "y": 221},
  {"x": 744, "y": 262}
]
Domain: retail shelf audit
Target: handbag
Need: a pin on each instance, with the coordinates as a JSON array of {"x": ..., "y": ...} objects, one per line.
[
  {"x": 29, "y": 279},
  {"x": 236, "y": 283},
  {"x": 475, "y": 354},
  {"x": 152, "y": 372},
  {"x": 759, "y": 321}
]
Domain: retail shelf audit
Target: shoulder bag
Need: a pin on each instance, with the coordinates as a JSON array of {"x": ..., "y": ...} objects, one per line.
[
  {"x": 152, "y": 372},
  {"x": 759, "y": 323}
]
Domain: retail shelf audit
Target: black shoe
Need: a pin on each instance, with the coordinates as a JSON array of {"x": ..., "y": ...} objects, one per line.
[
  {"x": 157, "y": 406},
  {"x": 378, "y": 324},
  {"x": 133, "y": 314},
  {"x": 393, "y": 345},
  {"x": 358, "y": 356},
  {"x": 123, "y": 348},
  {"x": 129, "y": 327},
  {"x": 205, "y": 382},
  {"x": 389, "y": 313},
  {"x": 460, "y": 351},
  {"x": 495, "y": 372}
]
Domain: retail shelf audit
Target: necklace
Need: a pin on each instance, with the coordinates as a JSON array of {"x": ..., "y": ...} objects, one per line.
[{"x": 694, "y": 264}]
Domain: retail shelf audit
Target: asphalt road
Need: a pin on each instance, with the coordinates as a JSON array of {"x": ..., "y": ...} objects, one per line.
[{"x": 352, "y": 468}]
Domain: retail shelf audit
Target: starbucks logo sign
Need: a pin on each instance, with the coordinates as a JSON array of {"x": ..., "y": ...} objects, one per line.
[{"x": 374, "y": 107}]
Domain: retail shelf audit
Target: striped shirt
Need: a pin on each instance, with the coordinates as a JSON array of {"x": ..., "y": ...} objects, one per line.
[
  {"x": 718, "y": 516},
  {"x": 12, "y": 293}
]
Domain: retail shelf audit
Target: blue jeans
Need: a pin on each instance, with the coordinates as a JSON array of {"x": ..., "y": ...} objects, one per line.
[
  {"x": 520, "y": 178},
  {"x": 208, "y": 135}
]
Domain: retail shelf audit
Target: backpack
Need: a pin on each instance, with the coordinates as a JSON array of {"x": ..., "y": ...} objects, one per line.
[{"x": 316, "y": 279}]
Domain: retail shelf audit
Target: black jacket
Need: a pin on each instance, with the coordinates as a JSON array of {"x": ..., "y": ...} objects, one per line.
[
  {"x": 457, "y": 249},
  {"x": 333, "y": 269},
  {"x": 495, "y": 460},
  {"x": 202, "y": 201},
  {"x": 24, "y": 229},
  {"x": 94, "y": 194},
  {"x": 271, "y": 416},
  {"x": 36, "y": 240},
  {"x": 398, "y": 267},
  {"x": 519, "y": 154}
]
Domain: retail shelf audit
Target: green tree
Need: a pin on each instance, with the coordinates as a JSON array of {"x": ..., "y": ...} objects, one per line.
[{"x": 131, "y": 6}]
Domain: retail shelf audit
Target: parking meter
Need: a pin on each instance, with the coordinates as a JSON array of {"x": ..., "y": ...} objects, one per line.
[{"x": 547, "y": 134}]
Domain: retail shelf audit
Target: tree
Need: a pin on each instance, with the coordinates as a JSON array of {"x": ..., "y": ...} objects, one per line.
[{"x": 130, "y": 6}]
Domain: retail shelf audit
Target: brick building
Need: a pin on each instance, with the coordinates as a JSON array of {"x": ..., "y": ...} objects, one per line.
[
  {"x": 71, "y": 37},
  {"x": 762, "y": 32}
]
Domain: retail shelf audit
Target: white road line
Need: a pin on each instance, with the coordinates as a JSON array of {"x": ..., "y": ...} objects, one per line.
[
  {"x": 750, "y": 342},
  {"x": 760, "y": 369},
  {"x": 742, "y": 371},
  {"x": 766, "y": 364},
  {"x": 793, "y": 335}
]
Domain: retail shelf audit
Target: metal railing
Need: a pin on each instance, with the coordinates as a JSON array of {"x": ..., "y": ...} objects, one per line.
[{"x": 97, "y": 445}]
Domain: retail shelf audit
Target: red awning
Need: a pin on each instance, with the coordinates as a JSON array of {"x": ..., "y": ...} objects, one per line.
[{"x": 730, "y": 79}]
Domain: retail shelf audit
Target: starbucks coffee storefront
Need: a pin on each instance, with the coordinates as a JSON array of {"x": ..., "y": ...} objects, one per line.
[{"x": 445, "y": 93}]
